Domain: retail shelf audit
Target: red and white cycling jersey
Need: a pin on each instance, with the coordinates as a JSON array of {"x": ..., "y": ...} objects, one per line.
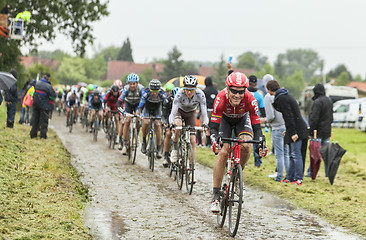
[{"x": 222, "y": 106}]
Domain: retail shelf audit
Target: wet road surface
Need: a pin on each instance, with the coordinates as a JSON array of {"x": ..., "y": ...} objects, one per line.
[{"x": 131, "y": 202}]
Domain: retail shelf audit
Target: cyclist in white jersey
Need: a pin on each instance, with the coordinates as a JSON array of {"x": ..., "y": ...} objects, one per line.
[{"x": 184, "y": 107}]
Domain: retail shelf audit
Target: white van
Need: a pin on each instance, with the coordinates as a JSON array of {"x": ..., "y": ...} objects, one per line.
[
  {"x": 346, "y": 113},
  {"x": 361, "y": 123}
]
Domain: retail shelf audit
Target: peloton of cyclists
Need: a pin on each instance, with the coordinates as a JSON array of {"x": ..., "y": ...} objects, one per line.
[
  {"x": 185, "y": 104},
  {"x": 151, "y": 106},
  {"x": 130, "y": 98},
  {"x": 234, "y": 108}
]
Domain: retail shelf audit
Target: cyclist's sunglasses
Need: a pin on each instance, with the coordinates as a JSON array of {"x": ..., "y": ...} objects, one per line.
[
  {"x": 154, "y": 90},
  {"x": 233, "y": 91},
  {"x": 190, "y": 89}
]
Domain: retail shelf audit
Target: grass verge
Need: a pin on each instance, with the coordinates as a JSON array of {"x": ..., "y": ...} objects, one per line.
[
  {"x": 40, "y": 192},
  {"x": 342, "y": 203}
]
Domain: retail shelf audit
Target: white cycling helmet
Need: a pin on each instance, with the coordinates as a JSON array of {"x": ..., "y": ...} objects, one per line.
[{"x": 190, "y": 81}]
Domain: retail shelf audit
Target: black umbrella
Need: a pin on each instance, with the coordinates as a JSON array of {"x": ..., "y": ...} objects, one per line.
[
  {"x": 332, "y": 154},
  {"x": 6, "y": 80}
]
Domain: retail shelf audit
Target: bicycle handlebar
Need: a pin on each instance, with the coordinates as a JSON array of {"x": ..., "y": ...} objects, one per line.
[
  {"x": 189, "y": 128},
  {"x": 131, "y": 115},
  {"x": 261, "y": 142}
]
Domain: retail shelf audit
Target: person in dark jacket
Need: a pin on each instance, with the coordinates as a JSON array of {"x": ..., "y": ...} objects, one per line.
[
  {"x": 42, "y": 105},
  {"x": 11, "y": 98},
  {"x": 210, "y": 93},
  {"x": 296, "y": 129},
  {"x": 321, "y": 116}
]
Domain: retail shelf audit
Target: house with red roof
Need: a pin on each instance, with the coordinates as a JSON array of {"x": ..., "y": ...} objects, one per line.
[
  {"x": 31, "y": 60},
  {"x": 118, "y": 69}
]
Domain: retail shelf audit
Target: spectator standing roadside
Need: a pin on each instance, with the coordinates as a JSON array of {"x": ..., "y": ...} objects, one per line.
[
  {"x": 42, "y": 105},
  {"x": 11, "y": 98},
  {"x": 210, "y": 93},
  {"x": 307, "y": 105},
  {"x": 253, "y": 82},
  {"x": 275, "y": 119},
  {"x": 321, "y": 117},
  {"x": 23, "y": 92},
  {"x": 296, "y": 130}
]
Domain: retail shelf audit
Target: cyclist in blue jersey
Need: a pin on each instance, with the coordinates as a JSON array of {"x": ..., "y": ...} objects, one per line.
[
  {"x": 151, "y": 106},
  {"x": 128, "y": 102},
  {"x": 72, "y": 100},
  {"x": 95, "y": 104}
]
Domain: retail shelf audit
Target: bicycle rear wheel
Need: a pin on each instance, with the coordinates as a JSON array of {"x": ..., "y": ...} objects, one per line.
[
  {"x": 223, "y": 206},
  {"x": 235, "y": 199},
  {"x": 189, "y": 169}
]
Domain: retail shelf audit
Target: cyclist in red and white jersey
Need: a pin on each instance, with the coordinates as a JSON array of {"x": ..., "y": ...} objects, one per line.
[
  {"x": 234, "y": 108},
  {"x": 110, "y": 103}
]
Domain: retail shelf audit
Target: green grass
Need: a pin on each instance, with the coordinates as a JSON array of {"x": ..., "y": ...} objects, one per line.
[
  {"x": 342, "y": 203},
  {"x": 40, "y": 192}
]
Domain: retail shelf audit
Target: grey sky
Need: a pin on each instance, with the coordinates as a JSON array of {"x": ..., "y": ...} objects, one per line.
[{"x": 203, "y": 30}]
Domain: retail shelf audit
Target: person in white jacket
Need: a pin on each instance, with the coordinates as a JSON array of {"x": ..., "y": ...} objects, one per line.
[{"x": 277, "y": 124}]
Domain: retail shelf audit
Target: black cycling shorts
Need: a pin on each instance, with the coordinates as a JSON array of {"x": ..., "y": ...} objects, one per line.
[
  {"x": 152, "y": 111},
  {"x": 241, "y": 126},
  {"x": 129, "y": 108}
]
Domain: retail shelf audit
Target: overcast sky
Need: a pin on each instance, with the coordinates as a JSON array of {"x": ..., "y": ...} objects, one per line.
[{"x": 204, "y": 29}]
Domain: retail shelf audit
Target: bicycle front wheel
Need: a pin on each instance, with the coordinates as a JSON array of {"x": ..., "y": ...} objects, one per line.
[
  {"x": 180, "y": 166},
  {"x": 112, "y": 135},
  {"x": 134, "y": 145},
  {"x": 96, "y": 128},
  {"x": 235, "y": 199},
  {"x": 152, "y": 151},
  {"x": 71, "y": 121},
  {"x": 189, "y": 169}
]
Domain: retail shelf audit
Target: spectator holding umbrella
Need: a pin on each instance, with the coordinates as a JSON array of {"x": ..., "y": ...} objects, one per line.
[
  {"x": 11, "y": 98},
  {"x": 321, "y": 117}
]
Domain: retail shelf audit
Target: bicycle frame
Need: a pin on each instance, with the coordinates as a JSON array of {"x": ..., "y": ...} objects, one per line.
[
  {"x": 185, "y": 164},
  {"x": 132, "y": 145},
  {"x": 232, "y": 188},
  {"x": 112, "y": 130}
]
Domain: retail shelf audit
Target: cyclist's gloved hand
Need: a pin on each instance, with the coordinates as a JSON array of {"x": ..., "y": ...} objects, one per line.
[
  {"x": 205, "y": 126},
  {"x": 172, "y": 126}
]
